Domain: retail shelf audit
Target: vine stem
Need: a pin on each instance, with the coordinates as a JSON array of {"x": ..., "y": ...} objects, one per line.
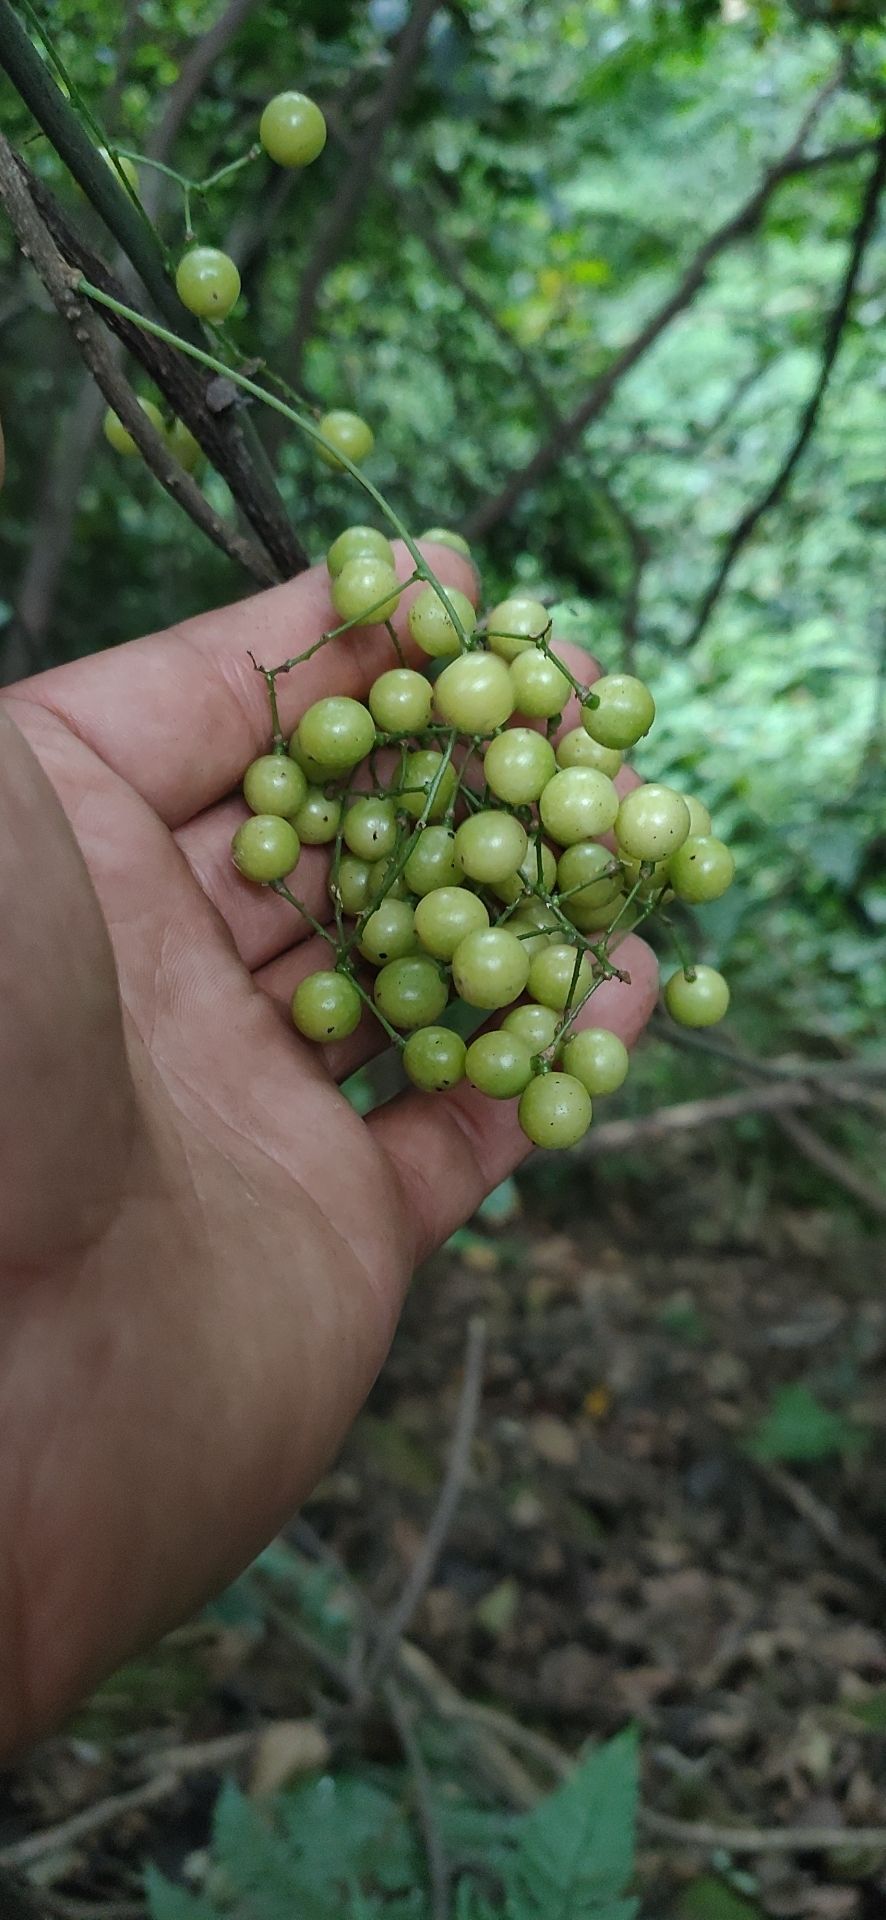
[{"x": 297, "y": 419}]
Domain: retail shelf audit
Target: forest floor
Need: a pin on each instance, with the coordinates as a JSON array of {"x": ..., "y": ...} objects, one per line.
[{"x": 617, "y": 1553}]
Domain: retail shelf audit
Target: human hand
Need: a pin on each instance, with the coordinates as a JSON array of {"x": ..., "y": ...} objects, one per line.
[{"x": 203, "y": 1249}]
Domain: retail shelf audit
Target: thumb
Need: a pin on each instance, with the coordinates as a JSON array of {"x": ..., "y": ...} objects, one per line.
[{"x": 67, "y": 1105}]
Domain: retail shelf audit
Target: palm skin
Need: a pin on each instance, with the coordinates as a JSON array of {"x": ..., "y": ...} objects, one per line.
[{"x": 203, "y": 1249}]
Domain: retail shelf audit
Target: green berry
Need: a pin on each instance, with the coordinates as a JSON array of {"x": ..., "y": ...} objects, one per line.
[
  {"x": 518, "y": 765},
  {"x": 389, "y": 932},
  {"x": 207, "y": 283},
  {"x": 652, "y": 822},
  {"x": 701, "y": 869},
  {"x": 183, "y": 445},
  {"x": 588, "y": 875},
  {"x": 370, "y": 828},
  {"x": 434, "y": 1059},
  {"x": 527, "y": 876},
  {"x": 346, "y": 434},
  {"x": 357, "y": 543},
  {"x": 698, "y": 997},
  {"x": 516, "y": 625},
  {"x": 432, "y": 626},
  {"x": 445, "y": 917},
  {"x": 578, "y": 804},
  {"x": 623, "y": 711},
  {"x": 699, "y": 818},
  {"x": 274, "y": 784},
  {"x": 499, "y": 1064},
  {"x": 432, "y": 862},
  {"x": 400, "y": 701},
  {"x": 411, "y": 992},
  {"x": 577, "y": 749},
  {"x": 326, "y": 1006},
  {"x": 366, "y": 590},
  {"x": 292, "y": 129},
  {"x": 541, "y": 689},
  {"x": 490, "y": 968},
  {"x": 555, "y": 1110},
  {"x": 265, "y": 848},
  {"x": 423, "y": 772},
  {"x": 444, "y": 537},
  {"x": 598, "y": 1058},
  {"x": 489, "y": 846},
  {"x": 475, "y": 693},
  {"x": 534, "y": 1024},
  {"x": 120, "y": 438},
  {"x": 316, "y": 821},
  {"x": 337, "y": 732},
  {"x": 352, "y": 885},
  {"x": 560, "y": 976}
]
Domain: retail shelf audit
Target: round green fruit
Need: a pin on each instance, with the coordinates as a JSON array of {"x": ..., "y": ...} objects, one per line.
[
  {"x": 598, "y": 1058},
  {"x": 499, "y": 1064},
  {"x": 518, "y": 765},
  {"x": 516, "y": 625},
  {"x": 701, "y": 870},
  {"x": 445, "y": 917},
  {"x": 555, "y": 1110},
  {"x": 697, "y": 997},
  {"x": 389, "y": 933},
  {"x": 207, "y": 283},
  {"x": 475, "y": 694},
  {"x": 120, "y": 438},
  {"x": 434, "y": 1059},
  {"x": 357, "y": 543},
  {"x": 316, "y": 821},
  {"x": 432, "y": 863},
  {"x": 326, "y": 1007},
  {"x": 346, "y": 433},
  {"x": 292, "y": 129},
  {"x": 411, "y": 992},
  {"x": 533, "y": 1024},
  {"x": 400, "y": 701},
  {"x": 560, "y": 976},
  {"x": 578, "y": 804},
  {"x": 370, "y": 828},
  {"x": 424, "y": 772},
  {"x": 432, "y": 626},
  {"x": 265, "y": 848},
  {"x": 337, "y": 732},
  {"x": 444, "y": 537},
  {"x": 652, "y": 822},
  {"x": 366, "y": 590},
  {"x": 577, "y": 749},
  {"x": 623, "y": 711},
  {"x": 490, "y": 968},
  {"x": 541, "y": 689},
  {"x": 489, "y": 846},
  {"x": 274, "y": 784},
  {"x": 183, "y": 445}
]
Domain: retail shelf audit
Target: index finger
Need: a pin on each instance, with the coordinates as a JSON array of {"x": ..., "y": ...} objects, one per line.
[{"x": 180, "y": 714}]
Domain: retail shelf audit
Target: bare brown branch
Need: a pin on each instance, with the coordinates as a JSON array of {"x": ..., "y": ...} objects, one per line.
[
  {"x": 39, "y": 247},
  {"x": 835, "y": 330},
  {"x": 736, "y": 227}
]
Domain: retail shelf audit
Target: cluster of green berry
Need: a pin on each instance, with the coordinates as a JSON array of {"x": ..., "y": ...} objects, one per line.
[
  {"x": 292, "y": 132},
  {"x": 469, "y": 858}
]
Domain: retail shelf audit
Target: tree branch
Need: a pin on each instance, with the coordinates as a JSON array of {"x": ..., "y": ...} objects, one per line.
[
  {"x": 210, "y": 411},
  {"x": 136, "y": 237},
  {"x": 833, "y": 337},
  {"x": 337, "y": 220},
  {"x": 739, "y": 224},
  {"x": 422, "y": 1571},
  {"x": 38, "y": 247}
]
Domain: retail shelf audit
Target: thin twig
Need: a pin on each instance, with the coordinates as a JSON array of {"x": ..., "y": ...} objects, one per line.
[
  {"x": 834, "y": 333},
  {"x": 849, "y": 1549},
  {"x": 92, "y": 1820},
  {"x": 687, "y": 1115},
  {"x": 834, "y": 1164},
  {"x": 736, "y": 227},
  {"x": 438, "y": 1866},
  {"x": 711, "y": 1839},
  {"x": 402, "y": 1613},
  {"x": 39, "y": 247}
]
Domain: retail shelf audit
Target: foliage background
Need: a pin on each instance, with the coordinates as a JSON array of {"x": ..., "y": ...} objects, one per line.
[{"x": 547, "y": 171}]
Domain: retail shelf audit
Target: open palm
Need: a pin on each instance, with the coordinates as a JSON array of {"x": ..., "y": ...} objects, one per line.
[{"x": 203, "y": 1249}]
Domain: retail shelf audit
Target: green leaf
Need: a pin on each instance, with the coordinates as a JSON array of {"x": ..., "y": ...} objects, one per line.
[
  {"x": 576, "y": 1851},
  {"x": 169, "y": 1902},
  {"x": 799, "y": 1427},
  {"x": 259, "y": 1867},
  {"x": 711, "y": 1899}
]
